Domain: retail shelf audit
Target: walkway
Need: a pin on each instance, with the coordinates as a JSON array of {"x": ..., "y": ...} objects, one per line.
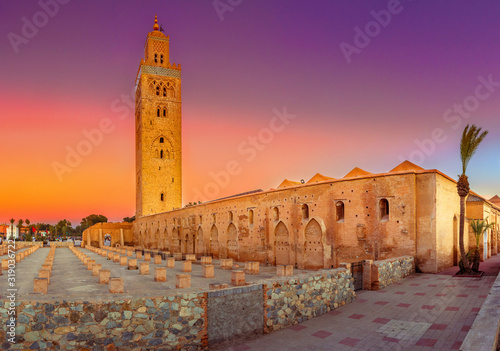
[{"x": 422, "y": 312}]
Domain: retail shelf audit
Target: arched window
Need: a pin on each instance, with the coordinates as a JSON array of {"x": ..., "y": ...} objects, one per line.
[
  {"x": 161, "y": 58},
  {"x": 162, "y": 197},
  {"x": 305, "y": 211},
  {"x": 276, "y": 214},
  {"x": 156, "y": 58},
  {"x": 157, "y": 112},
  {"x": 158, "y": 90},
  {"x": 384, "y": 209},
  {"x": 164, "y": 112},
  {"x": 250, "y": 217},
  {"x": 161, "y": 153},
  {"x": 340, "y": 211},
  {"x": 162, "y": 140},
  {"x": 230, "y": 216},
  {"x": 164, "y": 91}
]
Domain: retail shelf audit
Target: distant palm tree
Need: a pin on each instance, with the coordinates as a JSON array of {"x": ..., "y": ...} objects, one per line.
[
  {"x": 20, "y": 226},
  {"x": 471, "y": 138},
  {"x": 479, "y": 228},
  {"x": 28, "y": 224}
]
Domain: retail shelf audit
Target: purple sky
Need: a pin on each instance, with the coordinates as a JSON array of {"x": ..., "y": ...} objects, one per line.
[{"x": 263, "y": 55}]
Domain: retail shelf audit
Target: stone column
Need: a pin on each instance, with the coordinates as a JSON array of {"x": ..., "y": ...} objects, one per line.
[
  {"x": 122, "y": 242},
  {"x": 101, "y": 242},
  {"x": 367, "y": 274}
]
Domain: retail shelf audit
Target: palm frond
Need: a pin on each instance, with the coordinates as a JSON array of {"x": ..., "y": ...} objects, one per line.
[
  {"x": 471, "y": 138},
  {"x": 479, "y": 227}
]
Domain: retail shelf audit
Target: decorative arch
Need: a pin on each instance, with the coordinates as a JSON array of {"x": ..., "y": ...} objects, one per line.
[
  {"x": 157, "y": 242},
  {"x": 176, "y": 243},
  {"x": 314, "y": 251},
  {"x": 281, "y": 244},
  {"x": 214, "y": 241},
  {"x": 305, "y": 211},
  {"x": 162, "y": 147},
  {"x": 200, "y": 246},
  {"x": 166, "y": 243},
  {"x": 232, "y": 242}
]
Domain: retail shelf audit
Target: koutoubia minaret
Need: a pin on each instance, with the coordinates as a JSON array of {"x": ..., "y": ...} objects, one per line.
[{"x": 158, "y": 122}]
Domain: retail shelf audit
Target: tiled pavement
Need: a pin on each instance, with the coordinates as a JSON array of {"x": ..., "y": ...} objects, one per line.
[{"x": 422, "y": 312}]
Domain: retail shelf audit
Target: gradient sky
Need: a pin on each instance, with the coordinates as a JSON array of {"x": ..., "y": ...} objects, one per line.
[{"x": 263, "y": 55}]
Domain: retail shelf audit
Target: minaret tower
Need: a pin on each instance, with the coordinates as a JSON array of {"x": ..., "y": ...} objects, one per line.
[{"x": 158, "y": 129}]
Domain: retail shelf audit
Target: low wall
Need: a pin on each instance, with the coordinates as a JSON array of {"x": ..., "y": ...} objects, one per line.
[
  {"x": 291, "y": 301},
  {"x": 147, "y": 323},
  {"x": 190, "y": 320},
  {"x": 484, "y": 333},
  {"x": 187, "y": 321},
  {"x": 380, "y": 274},
  {"x": 61, "y": 243}
]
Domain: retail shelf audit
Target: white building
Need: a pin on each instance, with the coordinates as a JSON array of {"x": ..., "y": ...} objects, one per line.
[{"x": 12, "y": 230}]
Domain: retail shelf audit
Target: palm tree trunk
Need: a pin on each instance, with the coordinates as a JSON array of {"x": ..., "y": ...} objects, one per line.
[{"x": 465, "y": 261}]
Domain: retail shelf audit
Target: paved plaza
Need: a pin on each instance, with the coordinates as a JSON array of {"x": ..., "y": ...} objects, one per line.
[
  {"x": 422, "y": 312},
  {"x": 70, "y": 279}
]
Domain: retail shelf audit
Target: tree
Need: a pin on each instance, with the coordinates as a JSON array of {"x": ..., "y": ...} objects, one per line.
[
  {"x": 27, "y": 221},
  {"x": 20, "y": 226},
  {"x": 129, "y": 219},
  {"x": 92, "y": 219},
  {"x": 64, "y": 226},
  {"x": 471, "y": 138},
  {"x": 479, "y": 228}
]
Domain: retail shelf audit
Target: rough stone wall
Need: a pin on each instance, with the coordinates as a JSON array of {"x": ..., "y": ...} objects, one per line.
[
  {"x": 390, "y": 271},
  {"x": 137, "y": 324},
  {"x": 235, "y": 313},
  {"x": 318, "y": 241},
  {"x": 291, "y": 301}
]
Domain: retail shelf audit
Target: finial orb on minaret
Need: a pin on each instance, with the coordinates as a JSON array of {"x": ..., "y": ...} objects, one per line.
[{"x": 156, "y": 26}]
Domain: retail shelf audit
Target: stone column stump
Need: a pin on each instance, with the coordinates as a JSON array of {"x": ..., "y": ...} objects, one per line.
[
  {"x": 187, "y": 266},
  {"x": 116, "y": 285},
  {"x": 144, "y": 268},
  {"x": 208, "y": 271},
  {"x": 170, "y": 262},
  {"x": 104, "y": 275},
  {"x": 160, "y": 274},
  {"x": 41, "y": 285},
  {"x": 238, "y": 278},
  {"x": 132, "y": 264},
  {"x": 182, "y": 281}
]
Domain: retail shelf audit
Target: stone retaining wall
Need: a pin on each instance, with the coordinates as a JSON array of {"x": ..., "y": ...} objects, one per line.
[
  {"x": 387, "y": 272},
  {"x": 137, "y": 324},
  {"x": 291, "y": 301},
  {"x": 181, "y": 320}
]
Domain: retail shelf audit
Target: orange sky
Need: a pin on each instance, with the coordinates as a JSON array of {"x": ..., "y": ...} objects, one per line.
[{"x": 372, "y": 112}]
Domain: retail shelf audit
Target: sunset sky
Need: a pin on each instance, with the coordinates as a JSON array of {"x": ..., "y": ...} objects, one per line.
[{"x": 363, "y": 94}]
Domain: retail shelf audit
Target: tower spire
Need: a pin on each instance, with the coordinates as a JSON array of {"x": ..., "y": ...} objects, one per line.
[{"x": 156, "y": 26}]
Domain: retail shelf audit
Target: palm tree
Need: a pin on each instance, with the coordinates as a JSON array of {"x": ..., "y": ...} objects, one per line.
[
  {"x": 471, "y": 138},
  {"x": 28, "y": 224},
  {"x": 479, "y": 227},
  {"x": 20, "y": 226}
]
